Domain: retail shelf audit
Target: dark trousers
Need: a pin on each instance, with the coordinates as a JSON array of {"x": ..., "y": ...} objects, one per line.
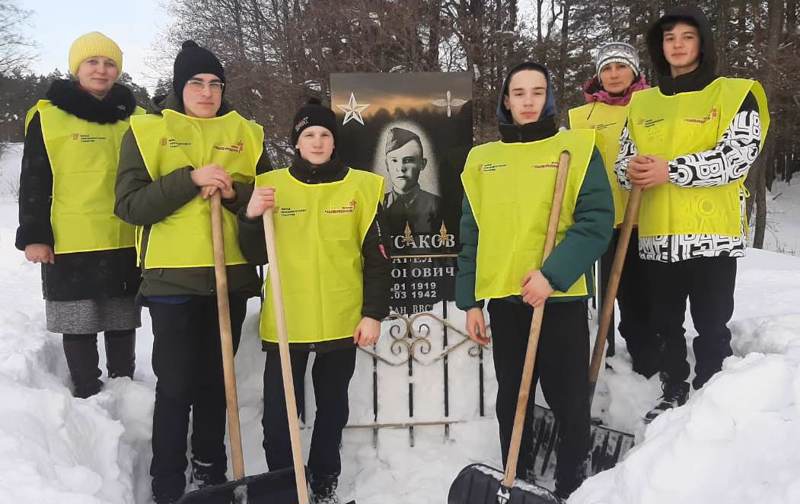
[
  {"x": 562, "y": 364},
  {"x": 708, "y": 284},
  {"x": 634, "y": 307},
  {"x": 187, "y": 362},
  {"x": 331, "y": 374},
  {"x": 83, "y": 360}
]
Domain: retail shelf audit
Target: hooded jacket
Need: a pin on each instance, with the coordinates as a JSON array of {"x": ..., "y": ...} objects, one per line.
[
  {"x": 82, "y": 275},
  {"x": 586, "y": 239},
  {"x": 735, "y": 152},
  {"x": 706, "y": 71},
  {"x": 143, "y": 202}
]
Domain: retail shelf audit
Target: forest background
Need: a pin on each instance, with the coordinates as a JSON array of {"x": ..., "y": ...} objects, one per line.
[{"x": 277, "y": 53}]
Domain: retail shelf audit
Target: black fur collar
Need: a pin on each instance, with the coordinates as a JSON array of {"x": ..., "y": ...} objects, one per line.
[{"x": 118, "y": 104}]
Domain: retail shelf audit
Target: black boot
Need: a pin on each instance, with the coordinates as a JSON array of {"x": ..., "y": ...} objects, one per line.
[
  {"x": 82, "y": 360},
  {"x": 121, "y": 353},
  {"x": 207, "y": 473},
  {"x": 674, "y": 395},
  {"x": 323, "y": 489},
  {"x": 569, "y": 481}
]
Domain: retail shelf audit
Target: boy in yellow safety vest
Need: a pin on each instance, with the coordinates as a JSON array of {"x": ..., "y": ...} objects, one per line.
[
  {"x": 689, "y": 143},
  {"x": 508, "y": 188},
  {"x": 170, "y": 163},
  {"x": 607, "y": 95},
  {"x": 335, "y": 275}
]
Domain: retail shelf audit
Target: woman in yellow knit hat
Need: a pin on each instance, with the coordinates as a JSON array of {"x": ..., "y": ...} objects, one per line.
[{"x": 66, "y": 212}]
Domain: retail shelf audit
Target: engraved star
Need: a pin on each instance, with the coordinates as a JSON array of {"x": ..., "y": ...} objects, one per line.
[{"x": 353, "y": 110}]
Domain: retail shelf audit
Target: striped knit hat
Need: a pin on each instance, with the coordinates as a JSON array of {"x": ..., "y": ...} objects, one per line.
[{"x": 617, "y": 52}]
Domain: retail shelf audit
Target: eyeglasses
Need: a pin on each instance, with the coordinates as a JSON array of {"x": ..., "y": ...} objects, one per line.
[{"x": 198, "y": 85}]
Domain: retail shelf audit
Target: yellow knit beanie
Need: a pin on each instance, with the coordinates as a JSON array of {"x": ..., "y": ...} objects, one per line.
[{"x": 93, "y": 44}]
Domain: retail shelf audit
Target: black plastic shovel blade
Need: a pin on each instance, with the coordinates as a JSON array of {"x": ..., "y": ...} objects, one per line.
[
  {"x": 608, "y": 445},
  {"x": 274, "y": 487},
  {"x": 480, "y": 484}
]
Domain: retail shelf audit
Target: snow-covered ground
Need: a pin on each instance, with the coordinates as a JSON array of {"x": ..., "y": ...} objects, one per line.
[{"x": 736, "y": 441}]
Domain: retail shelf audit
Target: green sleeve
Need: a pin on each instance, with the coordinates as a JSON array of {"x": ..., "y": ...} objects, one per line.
[
  {"x": 139, "y": 199},
  {"x": 588, "y": 238},
  {"x": 465, "y": 277}
]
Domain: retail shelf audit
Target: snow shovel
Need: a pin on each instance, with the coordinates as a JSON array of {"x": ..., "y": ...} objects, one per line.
[
  {"x": 607, "y": 311},
  {"x": 479, "y": 483},
  {"x": 608, "y": 445},
  {"x": 286, "y": 363},
  {"x": 274, "y": 487}
]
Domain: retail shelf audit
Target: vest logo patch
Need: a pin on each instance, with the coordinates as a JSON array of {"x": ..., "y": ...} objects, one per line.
[
  {"x": 712, "y": 114},
  {"x": 602, "y": 126},
  {"x": 491, "y": 167},
  {"x": 552, "y": 164},
  {"x": 289, "y": 211},
  {"x": 172, "y": 143},
  {"x": 649, "y": 123},
  {"x": 86, "y": 138},
  {"x": 238, "y": 148},
  {"x": 344, "y": 209}
]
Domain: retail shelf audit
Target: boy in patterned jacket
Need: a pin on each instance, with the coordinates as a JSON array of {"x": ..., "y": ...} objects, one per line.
[{"x": 689, "y": 144}]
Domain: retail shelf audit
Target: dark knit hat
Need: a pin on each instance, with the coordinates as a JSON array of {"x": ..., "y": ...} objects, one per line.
[
  {"x": 313, "y": 113},
  {"x": 192, "y": 60}
]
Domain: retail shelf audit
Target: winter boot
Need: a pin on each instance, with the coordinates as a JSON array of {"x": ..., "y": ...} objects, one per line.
[
  {"x": 168, "y": 489},
  {"x": 323, "y": 490},
  {"x": 207, "y": 473},
  {"x": 674, "y": 395},
  {"x": 567, "y": 481},
  {"x": 121, "y": 353},
  {"x": 82, "y": 361}
]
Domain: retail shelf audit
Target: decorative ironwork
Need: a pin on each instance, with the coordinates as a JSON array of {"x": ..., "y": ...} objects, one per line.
[
  {"x": 425, "y": 340},
  {"x": 411, "y": 340}
]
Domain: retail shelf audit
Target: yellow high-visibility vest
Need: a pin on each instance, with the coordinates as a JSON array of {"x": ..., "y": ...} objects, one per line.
[
  {"x": 510, "y": 190},
  {"x": 686, "y": 123},
  {"x": 83, "y": 159},
  {"x": 319, "y": 233},
  {"x": 608, "y": 122},
  {"x": 174, "y": 140}
]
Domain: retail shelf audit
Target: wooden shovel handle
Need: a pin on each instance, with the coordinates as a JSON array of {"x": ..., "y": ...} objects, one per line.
[
  {"x": 536, "y": 327},
  {"x": 607, "y": 311},
  {"x": 286, "y": 362},
  {"x": 226, "y": 336}
]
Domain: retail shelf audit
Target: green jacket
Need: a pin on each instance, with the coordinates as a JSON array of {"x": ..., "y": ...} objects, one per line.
[
  {"x": 143, "y": 202},
  {"x": 582, "y": 245}
]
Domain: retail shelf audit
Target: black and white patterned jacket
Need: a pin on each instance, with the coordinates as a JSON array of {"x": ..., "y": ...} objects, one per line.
[{"x": 727, "y": 162}]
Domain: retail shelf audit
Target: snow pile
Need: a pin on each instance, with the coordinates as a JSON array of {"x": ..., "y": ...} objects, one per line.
[
  {"x": 736, "y": 440},
  {"x": 53, "y": 448}
]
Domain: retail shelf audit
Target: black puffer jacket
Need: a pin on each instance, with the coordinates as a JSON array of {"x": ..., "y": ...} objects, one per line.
[{"x": 84, "y": 275}]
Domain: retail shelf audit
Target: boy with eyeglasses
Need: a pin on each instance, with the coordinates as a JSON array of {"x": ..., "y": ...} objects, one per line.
[{"x": 171, "y": 162}]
